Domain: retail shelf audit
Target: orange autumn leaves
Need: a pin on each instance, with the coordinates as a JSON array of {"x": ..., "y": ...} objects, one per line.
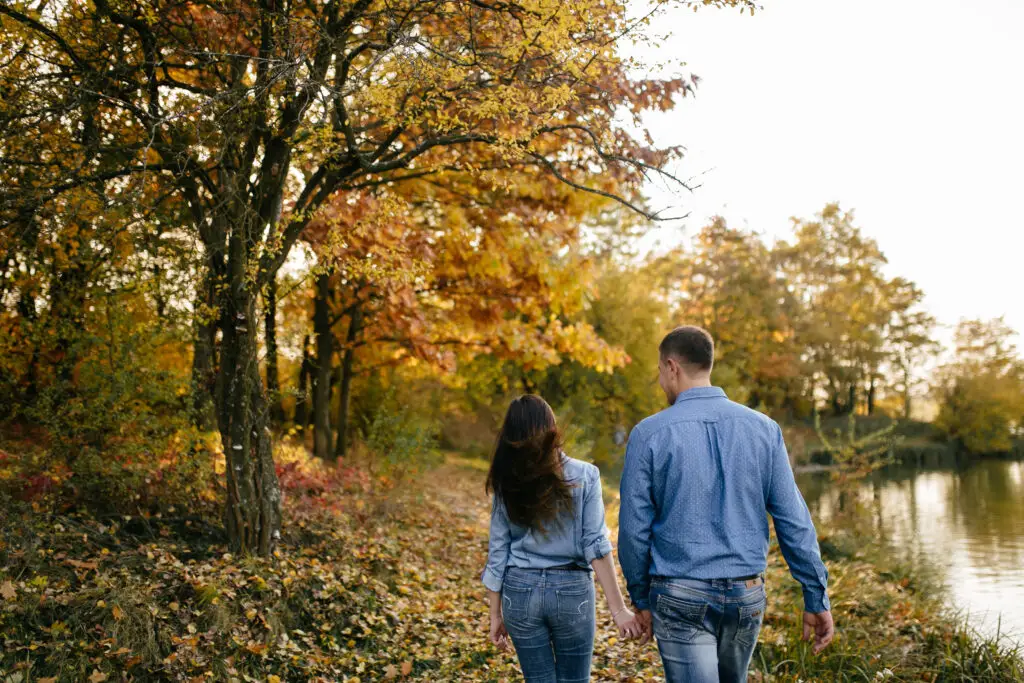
[
  {"x": 455, "y": 267},
  {"x": 392, "y": 671}
]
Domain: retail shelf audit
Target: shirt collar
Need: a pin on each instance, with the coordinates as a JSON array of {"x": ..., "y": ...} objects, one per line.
[{"x": 699, "y": 392}]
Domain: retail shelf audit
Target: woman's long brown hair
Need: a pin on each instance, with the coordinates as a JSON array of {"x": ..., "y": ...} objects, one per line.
[{"x": 526, "y": 471}]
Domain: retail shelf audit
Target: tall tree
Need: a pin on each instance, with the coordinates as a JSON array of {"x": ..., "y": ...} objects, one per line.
[
  {"x": 981, "y": 391},
  {"x": 447, "y": 269},
  {"x": 908, "y": 338},
  {"x": 835, "y": 274},
  {"x": 728, "y": 283}
]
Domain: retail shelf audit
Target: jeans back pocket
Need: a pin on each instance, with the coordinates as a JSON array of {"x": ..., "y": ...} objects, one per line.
[
  {"x": 515, "y": 603},
  {"x": 678, "y": 619},
  {"x": 575, "y": 603}
]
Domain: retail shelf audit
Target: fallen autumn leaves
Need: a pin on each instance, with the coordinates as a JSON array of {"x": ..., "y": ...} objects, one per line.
[{"x": 368, "y": 586}]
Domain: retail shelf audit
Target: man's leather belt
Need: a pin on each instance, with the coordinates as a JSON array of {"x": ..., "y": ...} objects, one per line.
[
  {"x": 748, "y": 581},
  {"x": 751, "y": 581}
]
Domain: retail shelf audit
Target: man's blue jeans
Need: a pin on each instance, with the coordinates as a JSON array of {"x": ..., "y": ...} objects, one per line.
[
  {"x": 706, "y": 630},
  {"x": 549, "y": 614}
]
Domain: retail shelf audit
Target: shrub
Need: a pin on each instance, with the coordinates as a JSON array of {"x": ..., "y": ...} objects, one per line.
[
  {"x": 399, "y": 439},
  {"x": 177, "y": 470},
  {"x": 854, "y": 456}
]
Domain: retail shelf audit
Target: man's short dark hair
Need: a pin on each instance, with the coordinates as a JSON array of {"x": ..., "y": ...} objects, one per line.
[{"x": 690, "y": 344}]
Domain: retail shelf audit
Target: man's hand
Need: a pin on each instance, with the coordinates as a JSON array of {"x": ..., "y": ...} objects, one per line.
[
  {"x": 499, "y": 636},
  {"x": 821, "y": 627},
  {"x": 643, "y": 617}
]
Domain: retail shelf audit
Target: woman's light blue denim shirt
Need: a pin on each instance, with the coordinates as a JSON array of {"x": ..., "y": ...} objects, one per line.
[{"x": 579, "y": 542}]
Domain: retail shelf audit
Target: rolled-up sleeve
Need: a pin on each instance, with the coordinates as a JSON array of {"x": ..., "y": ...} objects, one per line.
[
  {"x": 595, "y": 531},
  {"x": 498, "y": 548},
  {"x": 795, "y": 530},
  {"x": 636, "y": 519}
]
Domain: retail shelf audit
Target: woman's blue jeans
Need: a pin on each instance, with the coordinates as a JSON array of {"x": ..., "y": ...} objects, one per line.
[
  {"x": 706, "y": 630},
  {"x": 549, "y": 614}
]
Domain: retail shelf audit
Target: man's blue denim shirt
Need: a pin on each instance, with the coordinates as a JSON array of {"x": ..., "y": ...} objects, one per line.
[
  {"x": 580, "y": 538},
  {"x": 698, "y": 479}
]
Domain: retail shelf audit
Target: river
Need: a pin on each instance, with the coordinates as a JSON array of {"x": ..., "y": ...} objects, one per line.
[{"x": 968, "y": 523}]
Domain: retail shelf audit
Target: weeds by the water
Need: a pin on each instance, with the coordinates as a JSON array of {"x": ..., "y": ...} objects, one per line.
[
  {"x": 892, "y": 624},
  {"x": 973, "y": 656}
]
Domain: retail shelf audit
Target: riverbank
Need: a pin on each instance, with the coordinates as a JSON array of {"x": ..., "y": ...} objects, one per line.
[
  {"x": 377, "y": 581},
  {"x": 919, "y": 445}
]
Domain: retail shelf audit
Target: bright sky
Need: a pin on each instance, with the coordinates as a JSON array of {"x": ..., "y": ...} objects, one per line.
[{"x": 908, "y": 112}]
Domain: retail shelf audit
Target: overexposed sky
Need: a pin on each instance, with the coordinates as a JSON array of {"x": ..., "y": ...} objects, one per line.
[{"x": 910, "y": 112}]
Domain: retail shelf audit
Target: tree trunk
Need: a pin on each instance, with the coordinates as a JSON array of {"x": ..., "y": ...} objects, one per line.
[
  {"x": 27, "y": 312},
  {"x": 876, "y": 497},
  {"x": 754, "y": 400},
  {"x": 322, "y": 438},
  {"x": 871, "y": 396},
  {"x": 270, "y": 334},
  {"x": 354, "y": 325},
  {"x": 906, "y": 394},
  {"x": 204, "y": 356},
  {"x": 159, "y": 299},
  {"x": 28, "y": 229},
  {"x": 67, "y": 301},
  {"x": 252, "y": 514},
  {"x": 844, "y": 500},
  {"x": 302, "y": 399}
]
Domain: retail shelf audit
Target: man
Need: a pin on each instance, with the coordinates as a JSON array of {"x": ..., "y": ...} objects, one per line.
[{"x": 699, "y": 478}]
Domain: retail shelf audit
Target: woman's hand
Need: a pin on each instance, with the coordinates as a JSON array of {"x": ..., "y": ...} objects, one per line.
[
  {"x": 499, "y": 636},
  {"x": 629, "y": 626}
]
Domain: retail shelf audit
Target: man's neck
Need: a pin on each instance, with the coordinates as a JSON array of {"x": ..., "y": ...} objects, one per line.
[{"x": 694, "y": 383}]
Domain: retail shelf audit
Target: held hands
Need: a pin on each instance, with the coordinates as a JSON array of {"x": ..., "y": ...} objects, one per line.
[
  {"x": 819, "y": 626},
  {"x": 646, "y": 624},
  {"x": 627, "y": 623},
  {"x": 633, "y": 626}
]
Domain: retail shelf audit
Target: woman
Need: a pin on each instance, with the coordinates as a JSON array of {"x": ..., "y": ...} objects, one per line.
[{"x": 547, "y": 531}]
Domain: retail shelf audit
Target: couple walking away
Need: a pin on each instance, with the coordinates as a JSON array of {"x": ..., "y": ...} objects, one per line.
[{"x": 698, "y": 480}]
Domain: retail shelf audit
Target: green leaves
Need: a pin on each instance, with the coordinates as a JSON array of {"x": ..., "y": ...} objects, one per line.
[{"x": 981, "y": 391}]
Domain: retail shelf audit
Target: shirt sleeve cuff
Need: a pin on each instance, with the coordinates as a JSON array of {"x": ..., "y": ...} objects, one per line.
[
  {"x": 492, "y": 580},
  {"x": 639, "y": 595},
  {"x": 598, "y": 548},
  {"x": 643, "y": 604},
  {"x": 816, "y": 602}
]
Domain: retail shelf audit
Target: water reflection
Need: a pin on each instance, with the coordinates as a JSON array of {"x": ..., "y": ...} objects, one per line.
[{"x": 969, "y": 522}]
